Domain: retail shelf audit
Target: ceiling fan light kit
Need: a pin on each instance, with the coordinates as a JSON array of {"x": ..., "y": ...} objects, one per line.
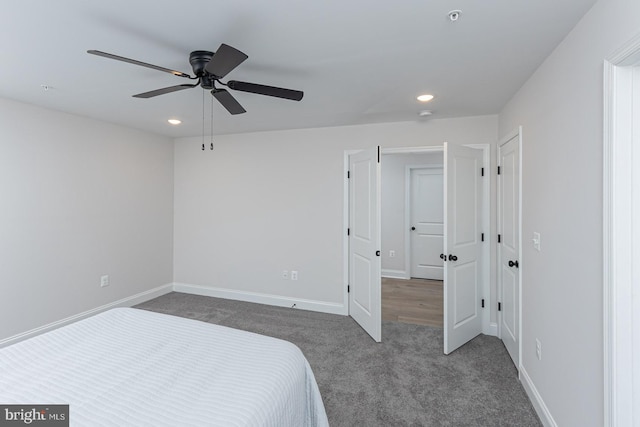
[{"x": 208, "y": 69}]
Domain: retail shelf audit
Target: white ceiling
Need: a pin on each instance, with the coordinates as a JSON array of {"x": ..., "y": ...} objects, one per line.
[{"x": 358, "y": 61}]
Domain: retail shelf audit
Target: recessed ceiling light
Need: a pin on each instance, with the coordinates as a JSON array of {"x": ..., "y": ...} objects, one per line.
[
  {"x": 174, "y": 121},
  {"x": 425, "y": 98}
]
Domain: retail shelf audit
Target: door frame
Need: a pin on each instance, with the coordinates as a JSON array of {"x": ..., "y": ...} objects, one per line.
[
  {"x": 407, "y": 212},
  {"x": 621, "y": 235},
  {"x": 488, "y": 328},
  {"x": 517, "y": 133}
]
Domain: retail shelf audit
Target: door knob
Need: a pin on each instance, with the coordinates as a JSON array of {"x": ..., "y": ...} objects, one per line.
[
  {"x": 377, "y": 253},
  {"x": 413, "y": 229},
  {"x": 453, "y": 258},
  {"x": 443, "y": 257},
  {"x": 513, "y": 264}
]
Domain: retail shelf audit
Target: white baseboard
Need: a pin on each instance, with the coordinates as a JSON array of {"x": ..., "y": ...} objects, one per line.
[
  {"x": 491, "y": 329},
  {"x": 536, "y": 399},
  {"x": 394, "y": 274},
  {"x": 280, "y": 301},
  {"x": 125, "y": 302}
]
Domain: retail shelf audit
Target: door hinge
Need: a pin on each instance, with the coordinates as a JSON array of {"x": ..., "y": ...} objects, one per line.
[
  {"x": 482, "y": 237},
  {"x": 348, "y": 288},
  {"x": 499, "y": 238},
  {"x": 348, "y": 231},
  {"x": 482, "y": 302},
  {"x": 499, "y": 306},
  {"x": 348, "y": 174},
  {"x": 378, "y": 154},
  {"x": 481, "y": 171},
  {"x": 498, "y": 170}
]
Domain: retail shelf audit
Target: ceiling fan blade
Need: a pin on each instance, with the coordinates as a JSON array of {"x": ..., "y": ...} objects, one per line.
[
  {"x": 228, "y": 101},
  {"x": 140, "y": 63},
  {"x": 224, "y": 60},
  {"x": 278, "y": 92},
  {"x": 162, "y": 91}
]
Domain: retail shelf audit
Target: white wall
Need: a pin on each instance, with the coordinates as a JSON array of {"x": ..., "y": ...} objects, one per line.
[
  {"x": 80, "y": 198},
  {"x": 393, "y": 185},
  {"x": 560, "y": 108},
  {"x": 265, "y": 202}
]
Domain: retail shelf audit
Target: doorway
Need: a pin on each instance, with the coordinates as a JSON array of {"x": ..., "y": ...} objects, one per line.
[
  {"x": 412, "y": 237},
  {"x": 466, "y": 223},
  {"x": 396, "y": 207}
]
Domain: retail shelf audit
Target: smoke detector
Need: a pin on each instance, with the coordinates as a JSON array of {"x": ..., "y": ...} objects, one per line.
[{"x": 454, "y": 15}]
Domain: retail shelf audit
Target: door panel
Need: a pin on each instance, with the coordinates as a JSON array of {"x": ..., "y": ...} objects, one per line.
[
  {"x": 364, "y": 241},
  {"x": 509, "y": 246},
  {"x": 466, "y": 286},
  {"x": 426, "y": 216},
  {"x": 462, "y": 223},
  {"x": 362, "y": 275},
  {"x": 465, "y": 200},
  {"x": 509, "y": 321}
]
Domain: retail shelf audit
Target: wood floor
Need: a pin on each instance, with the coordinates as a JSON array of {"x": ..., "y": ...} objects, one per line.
[{"x": 415, "y": 301}]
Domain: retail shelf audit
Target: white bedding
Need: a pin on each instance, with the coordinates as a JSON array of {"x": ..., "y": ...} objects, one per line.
[{"x": 129, "y": 367}]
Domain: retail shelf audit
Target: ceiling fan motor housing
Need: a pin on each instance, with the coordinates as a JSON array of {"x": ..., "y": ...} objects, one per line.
[
  {"x": 198, "y": 60},
  {"x": 207, "y": 81}
]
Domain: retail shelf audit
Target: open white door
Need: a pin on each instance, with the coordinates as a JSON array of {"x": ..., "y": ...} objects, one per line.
[
  {"x": 364, "y": 241},
  {"x": 509, "y": 246},
  {"x": 462, "y": 245}
]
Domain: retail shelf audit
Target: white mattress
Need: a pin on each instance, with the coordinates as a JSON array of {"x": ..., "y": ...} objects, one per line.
[{"x": 129, "y": 367}]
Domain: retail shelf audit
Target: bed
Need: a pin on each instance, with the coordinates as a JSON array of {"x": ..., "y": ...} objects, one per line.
[{"x": 130, "y": 367}]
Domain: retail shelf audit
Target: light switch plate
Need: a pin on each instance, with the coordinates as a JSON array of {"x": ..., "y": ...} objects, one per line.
[{"x": 536, "y": 240}]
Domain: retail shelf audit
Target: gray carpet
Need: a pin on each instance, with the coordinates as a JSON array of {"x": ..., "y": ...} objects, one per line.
[{"x": 403, "y": 381}]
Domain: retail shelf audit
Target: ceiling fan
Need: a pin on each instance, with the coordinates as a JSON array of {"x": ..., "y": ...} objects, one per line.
[{"x": 209, "y": 68}]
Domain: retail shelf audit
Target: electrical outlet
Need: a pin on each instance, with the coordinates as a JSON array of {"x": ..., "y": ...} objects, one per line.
[
  {"x": 294, "y": 275},
  {"x": 392, "y": 254},
  {"x": 538, "y": 349},
  {"x": 285, "y": 274},
  {"x": 104, "y": 280}
]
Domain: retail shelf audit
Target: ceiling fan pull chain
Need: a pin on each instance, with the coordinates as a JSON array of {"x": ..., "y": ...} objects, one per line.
[
  {"x": 211, "y": 121},
  {"x": 203, "y": 121}
]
